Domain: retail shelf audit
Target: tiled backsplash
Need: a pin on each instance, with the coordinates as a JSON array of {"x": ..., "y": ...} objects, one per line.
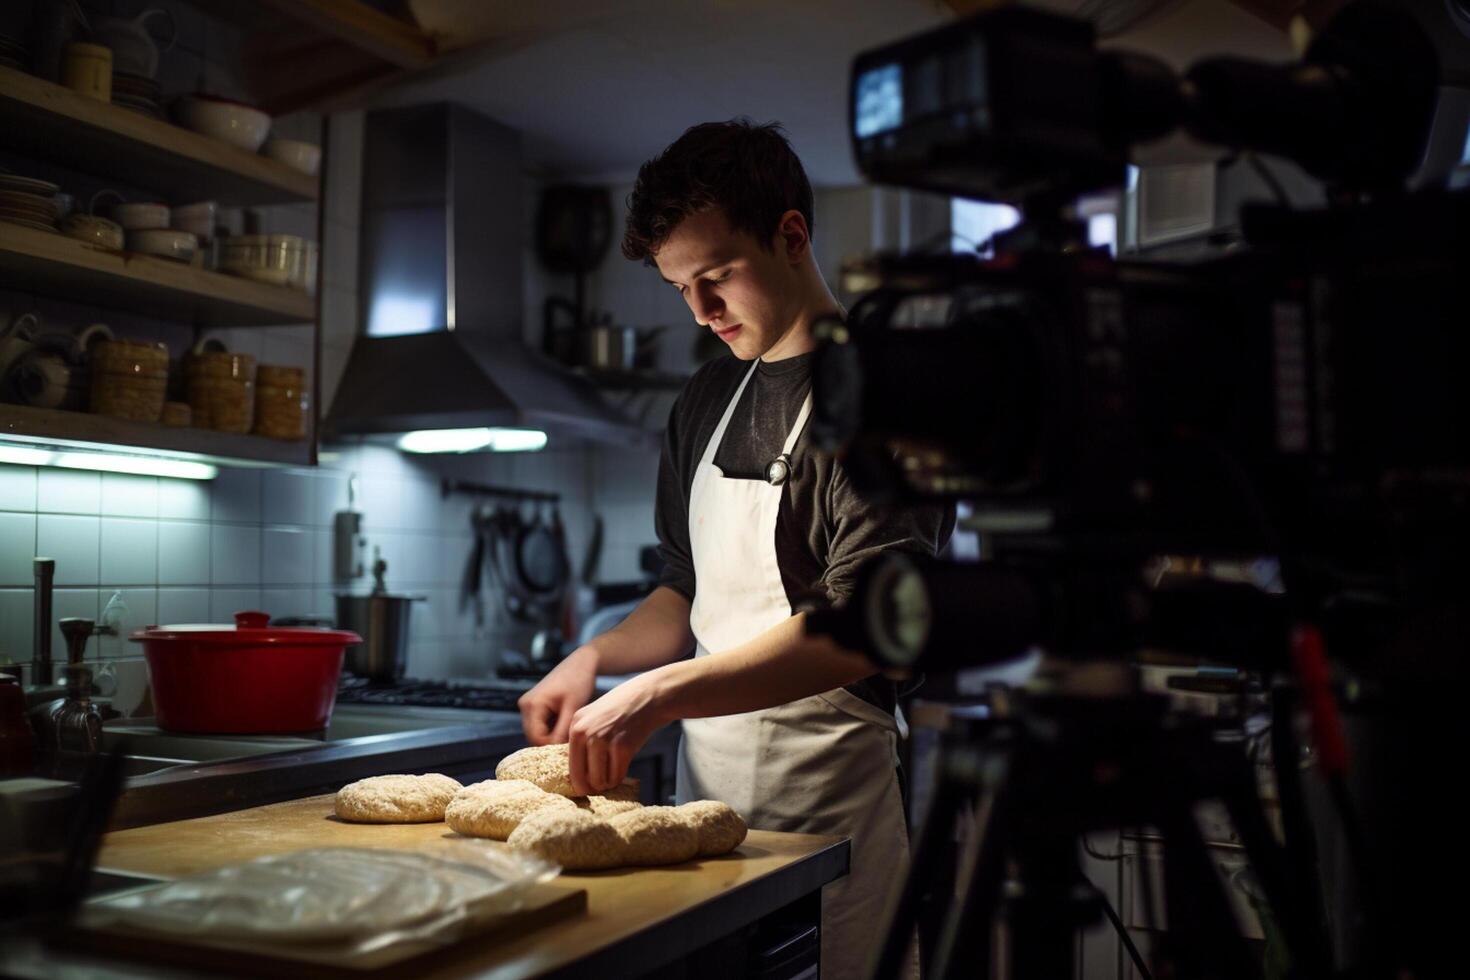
[{"x": 185, "y": 551}]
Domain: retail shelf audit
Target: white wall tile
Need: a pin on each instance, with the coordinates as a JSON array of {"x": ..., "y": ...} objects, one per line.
[
  {"x": 329, "y": 493},
  {"x": 224, "y": 603},
  {"x": 69, "y": 492},
  {"x": 323, "y": 555},
  {"x": 420, "y": 503},
  {"x": 142, "y": 610},
  {"x": 287, "y": 602},
  {"x": 382, "y": 503},
  {"x": 286, "y": 556},
  {"x": 73, "y": 542},
  {"x": 183, "y": 606},
  {"x": 17, "y": 487},
  {"x": 451, "y": 559},
  {"x": 126, "y": 495},
  {"x": 183, "y": 553},
  {"x": 131, "y": 679},
  {"x": 286, "y": 497},
  {"x": 17, "y": 614},
  {"x": 235, "y": 496},
  {"x": 183, "y": 500},
  {"x": 65, "y": 604},
  {"x": 17, "y": 548},
  {"x": 234, "y": 555},
  {"x": 129, "y": 552}
]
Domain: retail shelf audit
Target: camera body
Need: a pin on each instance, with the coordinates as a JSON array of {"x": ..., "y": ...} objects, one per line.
[{"x": 1299, "y": 399}]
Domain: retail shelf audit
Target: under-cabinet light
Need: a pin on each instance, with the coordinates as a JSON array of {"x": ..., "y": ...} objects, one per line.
[
  {"x": 472, "y": 440},
  {"x": 108, "y": 463}
]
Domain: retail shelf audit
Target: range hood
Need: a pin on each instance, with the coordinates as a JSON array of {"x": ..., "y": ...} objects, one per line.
[{"x": 440, "y": 291}]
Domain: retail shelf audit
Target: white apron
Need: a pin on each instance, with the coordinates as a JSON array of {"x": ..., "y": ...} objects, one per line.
[{"x": 821, "y": 765}]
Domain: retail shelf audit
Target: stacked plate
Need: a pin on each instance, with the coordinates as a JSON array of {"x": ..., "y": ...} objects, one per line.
[
  {"x": 137, "y": 93},
  {"x": 14, "y": 54},
  {"x": 27, "y": 201}
]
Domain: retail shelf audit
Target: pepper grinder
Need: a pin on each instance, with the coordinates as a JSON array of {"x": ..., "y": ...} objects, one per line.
[{"x": 76, "y": 722}]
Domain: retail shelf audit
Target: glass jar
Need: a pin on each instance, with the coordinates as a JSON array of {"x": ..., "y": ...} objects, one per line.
[
  {"x": 221, "y": 391},
  {"x": 129, "y": 379},
  {"x": 280, "y": 402}
]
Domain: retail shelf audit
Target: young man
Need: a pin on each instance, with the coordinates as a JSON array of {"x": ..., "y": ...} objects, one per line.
[{"x": 794, "y": 732}]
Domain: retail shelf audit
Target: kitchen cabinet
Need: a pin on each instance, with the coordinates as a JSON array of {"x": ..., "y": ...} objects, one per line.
[{"x": 49, "y": 122}]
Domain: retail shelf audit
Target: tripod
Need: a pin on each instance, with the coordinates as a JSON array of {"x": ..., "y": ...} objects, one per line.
[{"x": 1041, "y": 772}]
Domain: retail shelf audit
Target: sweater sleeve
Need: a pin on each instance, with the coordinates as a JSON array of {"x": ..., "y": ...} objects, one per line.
[
  {"x": 860, "y": 531},
  {"x": 671, "y": 510}
]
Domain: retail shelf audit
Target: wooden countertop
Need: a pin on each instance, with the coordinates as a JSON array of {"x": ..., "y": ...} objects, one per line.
[{"x": 637, "y": 918}]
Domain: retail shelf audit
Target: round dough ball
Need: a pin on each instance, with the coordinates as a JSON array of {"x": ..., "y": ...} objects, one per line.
[
  {"x": 499, "y": 787},
  {"x": 605, "y": 806},
  {"x": 495, "y": 812},
  {"x": 578, "y": 840},
  {"x": 656, "y": 835},
  {"x": 720, "y": 828},
  {"x": 396, "y": 799},
  {"x": 544, "y": 765}
]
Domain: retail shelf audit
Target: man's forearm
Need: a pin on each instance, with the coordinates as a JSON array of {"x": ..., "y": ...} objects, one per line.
[
  {"x": 780, "y": 665},
  {"x": 654, "y": 634}
]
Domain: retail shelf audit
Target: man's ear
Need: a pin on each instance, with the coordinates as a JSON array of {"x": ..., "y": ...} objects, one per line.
[{"x": 793, "y": 240}]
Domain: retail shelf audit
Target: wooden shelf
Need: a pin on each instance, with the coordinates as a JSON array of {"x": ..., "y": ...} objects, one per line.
[
  {"x": 84, "y": 430},
  {"x": 51, "y": 122},
  {"x": 52, "y": 264}
]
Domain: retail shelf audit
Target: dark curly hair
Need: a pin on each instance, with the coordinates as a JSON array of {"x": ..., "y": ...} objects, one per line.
[{"x": 746, "y": 170}]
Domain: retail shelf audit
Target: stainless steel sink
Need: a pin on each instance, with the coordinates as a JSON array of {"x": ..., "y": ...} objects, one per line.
[{"x": 150, "y": 749}]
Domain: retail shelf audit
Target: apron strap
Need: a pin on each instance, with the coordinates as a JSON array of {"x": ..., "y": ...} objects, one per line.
[{"x": 795, "y": 433}]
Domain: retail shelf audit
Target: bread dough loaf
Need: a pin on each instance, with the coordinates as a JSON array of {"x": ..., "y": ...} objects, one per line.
[
  {"x": 605, "y": 806},
  {"x": 624, "y": 792},
  {"x": 720, "y": 828},
  {"x": 656, "y": 835},
  {"x": 495, "y": 808},
  {"x": 544, "y": 765},
  {"x": 396, "y": 799},
  {"x": 578, "y": 840}
]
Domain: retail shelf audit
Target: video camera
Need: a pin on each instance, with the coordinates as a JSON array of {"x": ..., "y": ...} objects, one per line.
[
  {"x": 1302, "y": 399},
  {"x": 1258, "y": 460}
]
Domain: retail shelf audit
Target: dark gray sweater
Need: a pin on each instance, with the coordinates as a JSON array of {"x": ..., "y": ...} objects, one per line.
[{"x": 824, "y": 530}]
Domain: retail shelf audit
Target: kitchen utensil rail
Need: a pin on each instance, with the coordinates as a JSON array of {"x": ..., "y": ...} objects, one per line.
[{"x": 448, "y": 487}]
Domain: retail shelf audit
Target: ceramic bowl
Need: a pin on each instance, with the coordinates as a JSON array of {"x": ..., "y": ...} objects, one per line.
[
  {"x": 233, "y": 122},
  {"x": 165, "y": 243},
  {"x": 141, "y": 217},
  {"x": 296, "y": 154},
  {"x": 90, "y": 228},
  {"x": 197, "y": 219}
]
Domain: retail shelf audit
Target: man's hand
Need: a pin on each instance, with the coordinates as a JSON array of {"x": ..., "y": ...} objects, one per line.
[
  {"x": 547, "y": 708},
  {"x": 607, "y": 733}
]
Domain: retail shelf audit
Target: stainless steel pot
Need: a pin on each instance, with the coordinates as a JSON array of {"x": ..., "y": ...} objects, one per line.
[
  {"x": 610, "y": 348},
  {"x": 382, "y": 622}
]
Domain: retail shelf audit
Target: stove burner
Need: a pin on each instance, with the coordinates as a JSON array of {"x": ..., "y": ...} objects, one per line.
[{"x": 426, "y": 694}]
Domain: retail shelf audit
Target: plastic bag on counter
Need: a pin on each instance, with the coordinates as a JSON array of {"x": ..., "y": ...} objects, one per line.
[{"x": 361, "y": 898}]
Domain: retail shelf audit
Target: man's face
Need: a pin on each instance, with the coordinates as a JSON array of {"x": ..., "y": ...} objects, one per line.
[{"x": 746, "y": 294}]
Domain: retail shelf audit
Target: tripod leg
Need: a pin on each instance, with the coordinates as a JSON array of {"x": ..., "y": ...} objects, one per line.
[
  {"x": 1300, "y": 914},
  {"x": 1203, "y": 937},
  {"x": 929, "y": 886},
  {"x": 963, "y": 945}
]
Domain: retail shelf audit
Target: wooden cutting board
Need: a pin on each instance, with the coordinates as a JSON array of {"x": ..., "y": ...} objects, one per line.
[
  {"x": 189, "y": 846},
  {"x": 184, "y": 847},
  {"x": 622, "y": 905}
]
